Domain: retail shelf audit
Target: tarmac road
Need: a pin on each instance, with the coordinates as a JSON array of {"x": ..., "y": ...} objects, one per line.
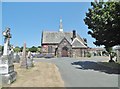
[{"x": 84, "y": 72}]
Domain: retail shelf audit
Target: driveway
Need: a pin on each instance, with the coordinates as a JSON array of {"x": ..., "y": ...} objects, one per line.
[{"x": 84, "y": 72}]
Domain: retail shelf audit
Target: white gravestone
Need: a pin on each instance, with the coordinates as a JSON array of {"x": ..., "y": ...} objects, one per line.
[
  {"x": 29, "y": 60},
  {"x": 118, "y": 53},
  {"x": 6, "y": 61}
]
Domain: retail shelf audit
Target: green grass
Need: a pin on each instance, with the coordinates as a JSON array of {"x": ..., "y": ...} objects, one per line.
[{"x": 112, "y": 65}]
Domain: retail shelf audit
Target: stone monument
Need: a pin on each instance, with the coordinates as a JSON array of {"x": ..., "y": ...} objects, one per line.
[
  {"x": 6, "y": 61},
  {"x": 24, "y": 58},
  {"x": 118, "y": 53},
  {"x": 16, "y": 58},
  {"x": 29, "y": 60}
]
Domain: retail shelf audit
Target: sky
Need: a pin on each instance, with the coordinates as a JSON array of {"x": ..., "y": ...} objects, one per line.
[{"x": 27, "y": 20}]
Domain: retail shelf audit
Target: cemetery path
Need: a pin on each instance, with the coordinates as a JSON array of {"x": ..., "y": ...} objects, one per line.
[{"x": 84, "y": 72}]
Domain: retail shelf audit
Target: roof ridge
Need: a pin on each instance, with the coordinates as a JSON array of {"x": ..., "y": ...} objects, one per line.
[{"x": 57, "y": 31}]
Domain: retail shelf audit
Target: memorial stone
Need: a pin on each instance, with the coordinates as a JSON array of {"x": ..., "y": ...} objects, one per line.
[
  {"x": 16, "y": 58},
  {"x": 118, "y": 53},
  {"x": 24, "y": 58},
  {"x": 7, "y": 72},
  {"x": 29, "y": 60}
]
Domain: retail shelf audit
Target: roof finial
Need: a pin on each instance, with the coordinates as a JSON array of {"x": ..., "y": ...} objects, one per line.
[{"x": 61, "y": 26}]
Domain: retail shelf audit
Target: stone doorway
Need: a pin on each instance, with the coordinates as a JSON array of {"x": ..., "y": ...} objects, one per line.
[{"x": 65, "y": 51}]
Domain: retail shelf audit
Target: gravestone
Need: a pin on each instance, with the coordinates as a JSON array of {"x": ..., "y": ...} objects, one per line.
[
  {"x": 24, "y": 58},
  {"x": 118, "y": 53},
  {"x": 16, "y": 58},
  {"x": 26, "y": 61},
  {"x": 29, "y": 60},
  {"x": 7, "y": 72}
]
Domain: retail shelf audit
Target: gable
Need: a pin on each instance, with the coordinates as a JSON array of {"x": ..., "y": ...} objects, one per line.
[
  {"x": 78, "y": 44},
  {"x": 64, "y": 42}
]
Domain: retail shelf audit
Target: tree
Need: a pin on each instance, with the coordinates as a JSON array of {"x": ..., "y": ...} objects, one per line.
[
  {"x": 103, "y": 20},
  {"x": 39, "y": 49},
  {"x": 17, "y": 49},
  {"x": 33, "y": 49},
  {"x": 27, "y": 49},
  {"x": 39, "y": 46},
  {"x": 21, "y": 49}
]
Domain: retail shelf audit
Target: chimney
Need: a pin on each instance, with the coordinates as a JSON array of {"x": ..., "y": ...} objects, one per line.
[{"x": 74, "y": 34}]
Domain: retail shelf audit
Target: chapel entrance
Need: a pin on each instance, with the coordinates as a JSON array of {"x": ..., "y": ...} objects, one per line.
[{"x": 65, "y": 52}]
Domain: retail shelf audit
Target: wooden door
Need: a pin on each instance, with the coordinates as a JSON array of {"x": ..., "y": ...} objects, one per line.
[{"x": 65, "y": 52}]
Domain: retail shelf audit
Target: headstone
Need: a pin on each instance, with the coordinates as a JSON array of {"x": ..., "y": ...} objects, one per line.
[
  {"x": 16, "y": 58},
  {"x": 6, "y": 61},
  {"x": 118, "y": 53},
  {"x": 24, "y": 58},
  {"x": 29, "y": 60}
]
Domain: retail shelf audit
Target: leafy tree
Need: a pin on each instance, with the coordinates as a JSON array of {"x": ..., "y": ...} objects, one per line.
[
  {"x": 17, "y": 49},
  {"x": 39, "y": 49},
  {"x": 27, "y": 49},
  {"x": 33, "y": 49},
  {"x": 21, "y": 49},
  {"x": 103, "y": 20},
  {"x": 39, "y": 46}
]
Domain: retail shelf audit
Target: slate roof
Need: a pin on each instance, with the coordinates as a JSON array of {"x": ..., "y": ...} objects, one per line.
[{"x": 56, "y": 37}]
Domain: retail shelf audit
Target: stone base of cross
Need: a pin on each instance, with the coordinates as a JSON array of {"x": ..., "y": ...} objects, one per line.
[{"x": 7, "y": 72}]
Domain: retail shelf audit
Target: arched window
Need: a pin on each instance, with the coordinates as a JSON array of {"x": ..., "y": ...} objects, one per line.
[{"x": 65, "y": 48}]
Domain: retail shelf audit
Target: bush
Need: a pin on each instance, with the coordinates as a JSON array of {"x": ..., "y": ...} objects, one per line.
[{"x": 88, "y": 54}]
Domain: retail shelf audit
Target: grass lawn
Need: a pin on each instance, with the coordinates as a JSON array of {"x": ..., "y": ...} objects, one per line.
[
  {"x": 112, "y": 65},
  {"x": 41, "y": 75}
]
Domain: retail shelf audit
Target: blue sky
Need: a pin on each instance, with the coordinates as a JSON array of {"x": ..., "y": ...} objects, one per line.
[{"x": 27, "y": 20}]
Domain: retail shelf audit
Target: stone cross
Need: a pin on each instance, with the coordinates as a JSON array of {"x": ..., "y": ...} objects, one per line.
[
  {"x": 7, "y": 72},
  {"x": 7, "y": 36}
]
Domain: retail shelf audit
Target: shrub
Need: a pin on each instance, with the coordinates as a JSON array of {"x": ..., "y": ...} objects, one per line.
[{"x": 88, "y": 54}]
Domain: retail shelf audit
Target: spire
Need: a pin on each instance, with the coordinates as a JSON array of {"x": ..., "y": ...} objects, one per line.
[{"x": 61, "y": 26}]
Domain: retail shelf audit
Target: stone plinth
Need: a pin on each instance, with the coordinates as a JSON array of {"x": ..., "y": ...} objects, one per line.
[
  {"x": 118, "y": 53},
  {"x": 7, "y": 72},
  {"x": 30, "y": 62},
  {"x": 16, "y": 58},
  {"x": 27, "y": 63},
  {"x": 5, "y": 69},
  {"x": 8, "y": 78},
  {"x": 24, "y": 63},
  {"x": 6, "y": 59}
]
